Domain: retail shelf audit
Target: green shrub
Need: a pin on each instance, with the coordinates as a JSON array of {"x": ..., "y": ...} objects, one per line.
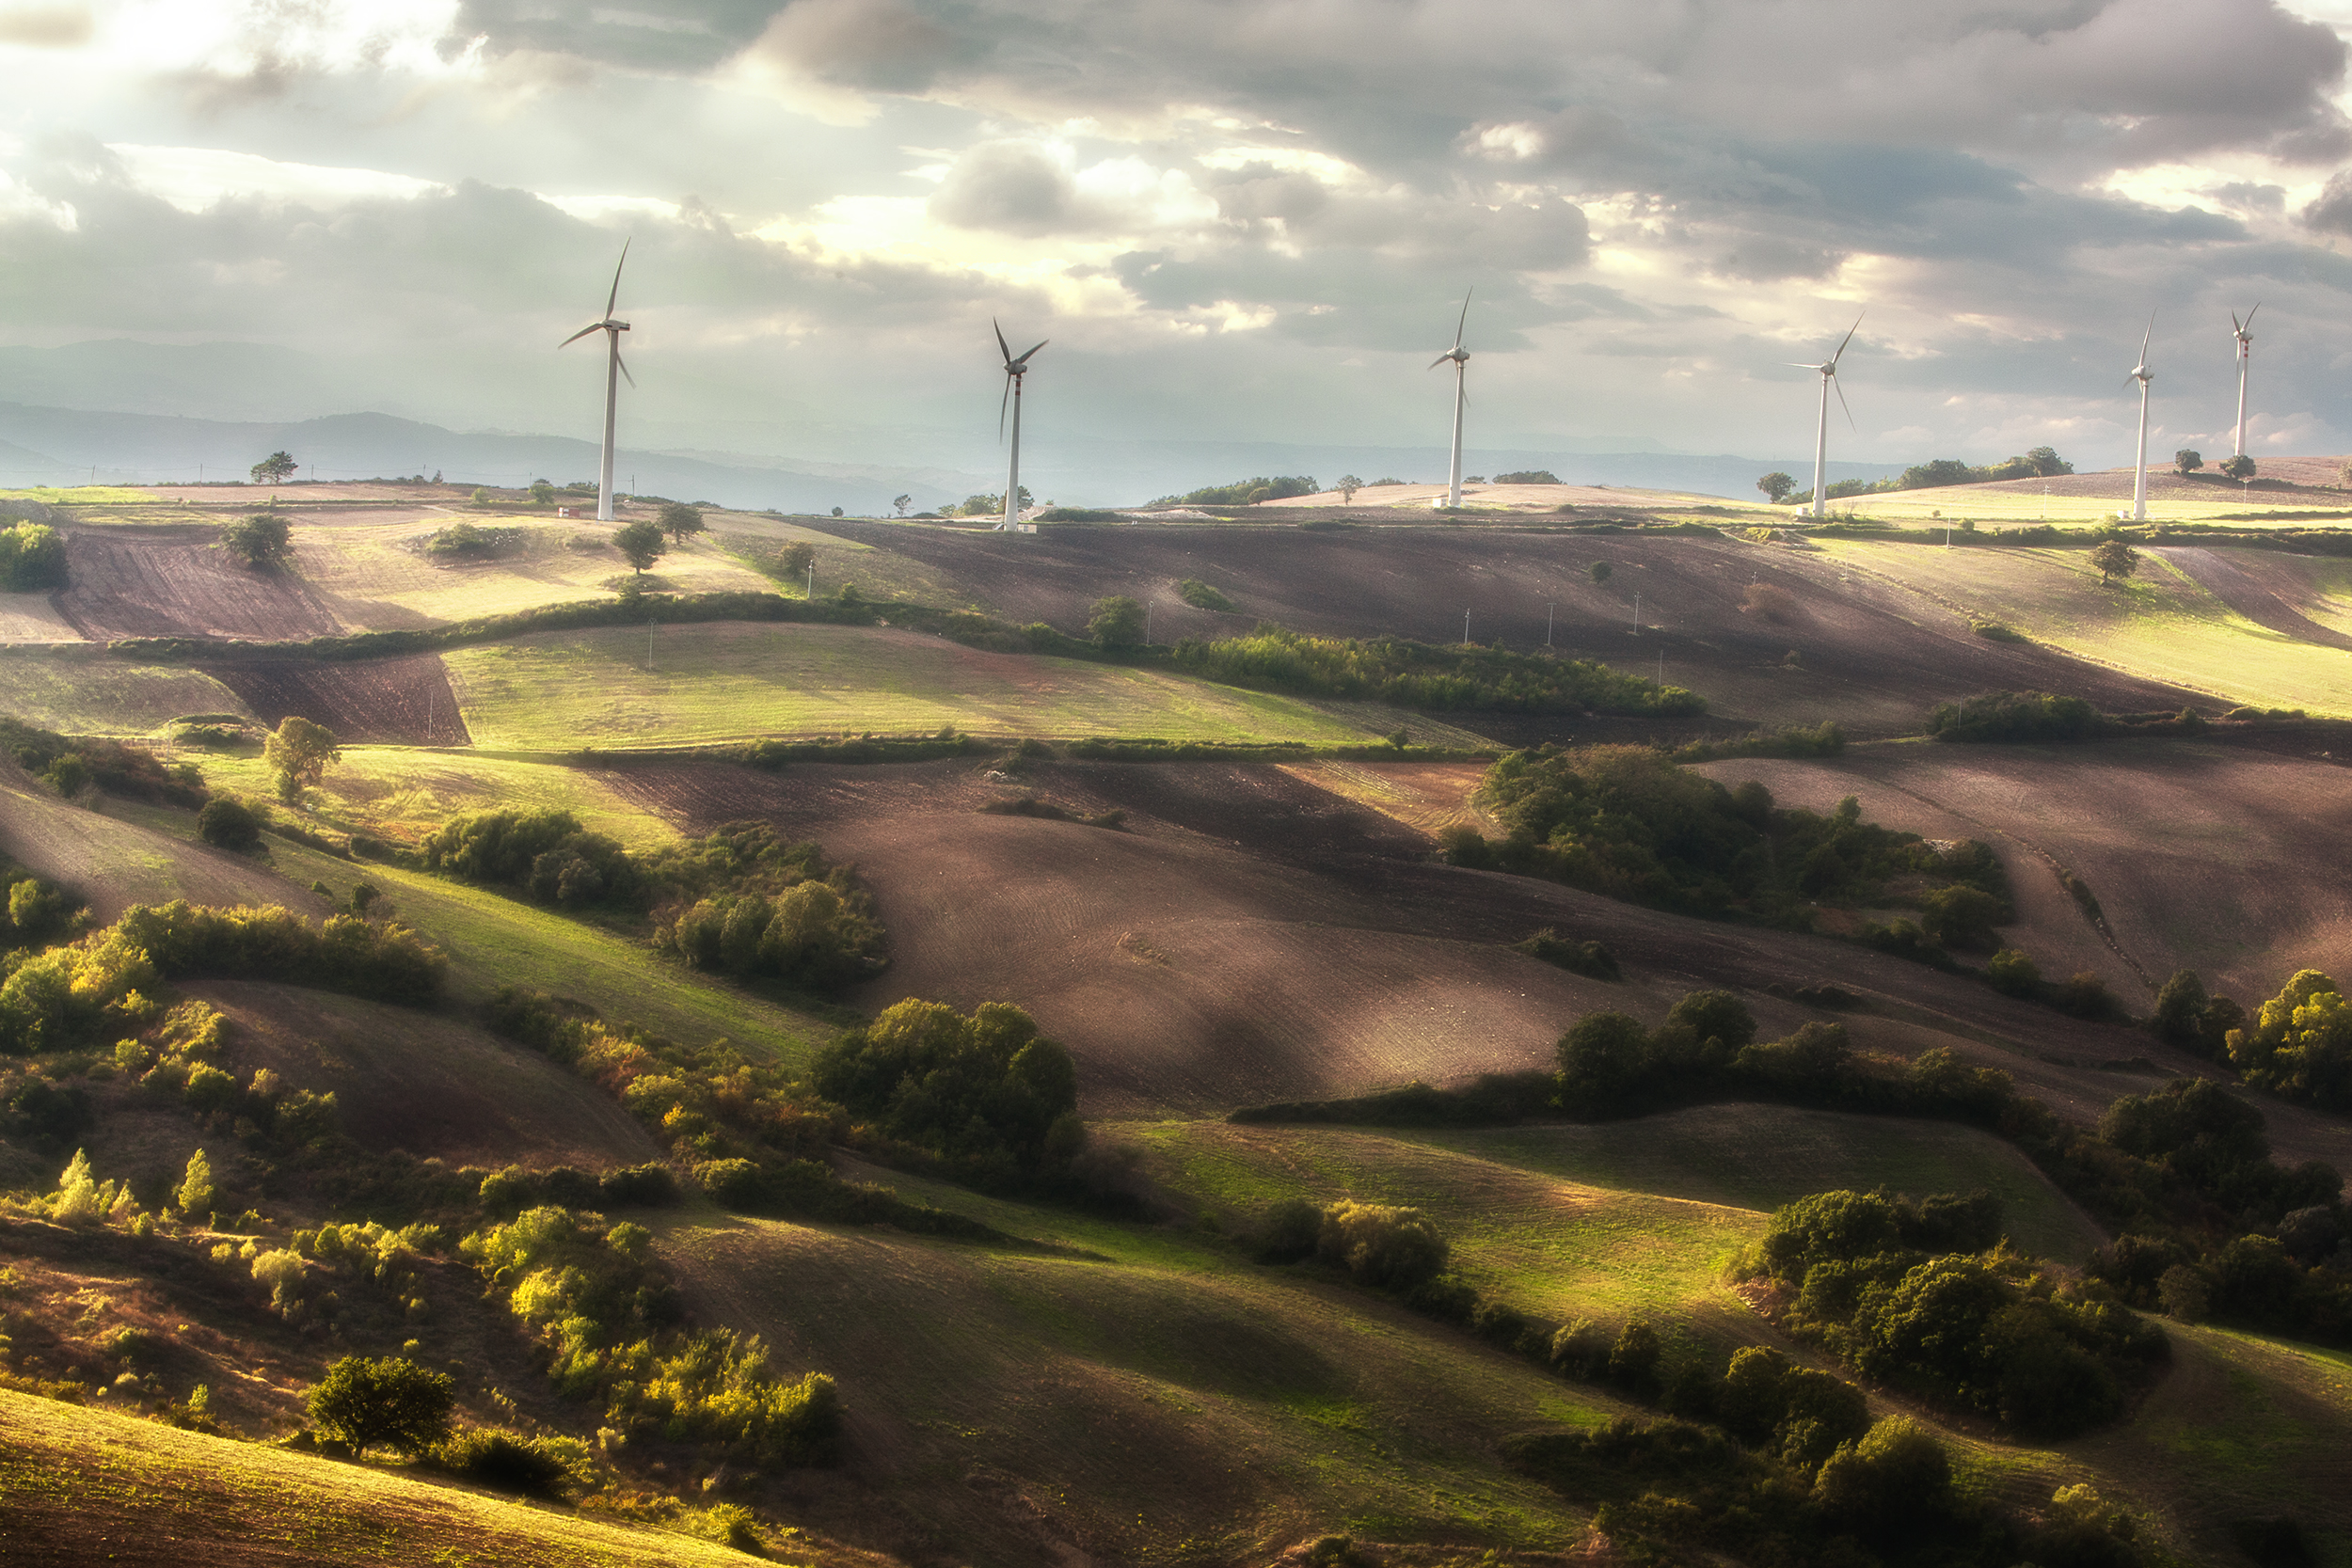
[
  {"x": 371, "y": 1403},
  {"x": 229, "y": 824},
  {"x": 505, "y": 1462},
  {"x": 1592, "y": 960},
  {"x": 1200, "y": 596},
  {"x": 1380, "y": 1244}
]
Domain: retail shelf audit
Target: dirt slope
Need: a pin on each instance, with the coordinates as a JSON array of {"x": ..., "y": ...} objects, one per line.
[
  {"x": 1869, "y": 654},
  {"x": 171, "y": 582},
  {"x": 425, "y": 1082},
  {"x": 400, "y": 702}
]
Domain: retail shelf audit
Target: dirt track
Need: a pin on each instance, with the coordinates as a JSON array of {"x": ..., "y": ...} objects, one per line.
[
  {"x": 396, "y": 701},
  {"x": 170, "y": 581},
  {"x": 1869, "y": 654}
]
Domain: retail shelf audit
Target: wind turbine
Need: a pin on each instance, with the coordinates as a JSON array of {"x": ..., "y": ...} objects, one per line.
[
  {"x": 2245, "y": 330},
  {"x": 1014, "y": 371},
  {"x": 2142, "y": 374},
  {"x": 1460, "y": 357},
  {"x": 613, "y": 371},
  {"x": 1828, "y": 369}
]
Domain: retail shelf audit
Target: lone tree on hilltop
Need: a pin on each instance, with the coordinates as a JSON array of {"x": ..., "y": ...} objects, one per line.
[
  {"x": 263, "y": 541},
  {"x": 299, "y": 751},
  {"x": 1116, "y": 622},
  {"x": 641, "y": 543},
  {"x": 2114, "y": 558},
  {"x": 2240, "y": 466},
  {"x": 1776, "y": 487},
  {"x": 371, "y": 1403},
  {"x": 678, "y": 520},
  {"x": 277, "y": 468},
  {"x": 2188, "y": 460},
  {"x": 1347, "y": 487}
]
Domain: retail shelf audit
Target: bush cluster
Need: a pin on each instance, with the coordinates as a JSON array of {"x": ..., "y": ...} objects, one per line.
[
  {"x": 64, "y": 997},
  {"x": 984, "y": 1092},
  {"x": 1405, "y": 673},
  {"x": 32, "y": 559},
  {"x": 1926, "y": 1297},
  {"x": 609, "y": 1312},
  {"x": 1625, "y": 822}
]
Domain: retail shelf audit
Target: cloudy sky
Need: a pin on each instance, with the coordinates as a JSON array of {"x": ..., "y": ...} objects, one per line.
[{"x": 1235, "y": 219}]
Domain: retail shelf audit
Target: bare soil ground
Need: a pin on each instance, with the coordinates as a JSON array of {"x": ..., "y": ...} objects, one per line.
[
  {"x": 398, "y": 701},
  {"x": 111, "y": 863},
  {"x": 2202, "y": 857},
  {"x": 2268, "y": 589},
  {"x": 178, "y": 582},
  {"x": 432, "y": 1084},
  {"x": 1252, "y": 938},
  {"x": 1870, "y": 653}
]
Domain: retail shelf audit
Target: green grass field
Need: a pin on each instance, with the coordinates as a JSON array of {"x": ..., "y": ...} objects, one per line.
[
  {"x": 374, "y": 578},
  {"x": 1552, "y": 1246},
  {"x": 1168, "y": 1401},
  {"x": 83, "y": 691},
  {"x": 404, "y": 792},
  {"x": 2159, "y": 624},
  {"x": 2009, "y": 508},
  {"x": 711, "y": 683},
  {"x": 1758, "y": 1157},
  {"x": 84, "y": 1486}
]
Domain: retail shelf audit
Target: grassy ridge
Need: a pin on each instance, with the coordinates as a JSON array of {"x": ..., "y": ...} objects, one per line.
[{"x": 81, "y": 1485}]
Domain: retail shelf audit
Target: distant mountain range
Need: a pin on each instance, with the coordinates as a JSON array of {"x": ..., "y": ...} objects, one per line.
[{"x": 40, "y": 445}]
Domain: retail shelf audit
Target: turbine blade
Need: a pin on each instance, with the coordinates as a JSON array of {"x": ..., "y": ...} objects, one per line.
[
  {"x": 1842, "y": 403},
  {"x": 1848, "y": 339},
  {"x": 624, "y": 365},
  {"x": 616, "y": 298},
  {"x": 1002, "y": 347},
  {"x": 1024, "y": 359},
  {"x": 1002, "y": 403},
  {"x": 591, "y": 326},
  {"x": 1465, "y": 320}
]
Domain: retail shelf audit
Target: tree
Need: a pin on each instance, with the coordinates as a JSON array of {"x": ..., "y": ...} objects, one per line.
[
  {"x": 2239, "y": 468},
  {"x": 371, "y": 1402},
  {"x": 2114, "y": 558},
  {"x": 900, "y": 503},
  {"x": 640, "y": 543},
  {"x": 678, "y": 520},
  {"x": 1776, "y": 487},
  {"x": 299, "y": 751},
  {"x": 1347, "y": 487},
  {"x": 1599, "y": 571},
  {"x": 263, "y": 541},
  {"x": 228, "y": 824},
  {"x": 1116, "y": 622},
  {"x": 277, "y": 468},
  {"x": 2188, "y": 460}
]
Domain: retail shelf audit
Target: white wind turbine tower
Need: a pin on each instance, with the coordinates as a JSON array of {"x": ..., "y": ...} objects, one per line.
[
  {"x": 613, "y": 371},
  {"x": 2245, "y": 330},
  {"x": 1828, "y": 370},
  {"x": 2142, "y": 374},
  {"x": 1460, "y": 357},
  {"x": 1014, "y": 371}
]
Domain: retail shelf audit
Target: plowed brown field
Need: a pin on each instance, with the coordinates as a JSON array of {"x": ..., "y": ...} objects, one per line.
[
  {"x": 397, "y": 702},
  {"x": 178, "y": 582},
  {"x": 1869, "y": 654},
  {"x": 1249, "y": 937}
]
